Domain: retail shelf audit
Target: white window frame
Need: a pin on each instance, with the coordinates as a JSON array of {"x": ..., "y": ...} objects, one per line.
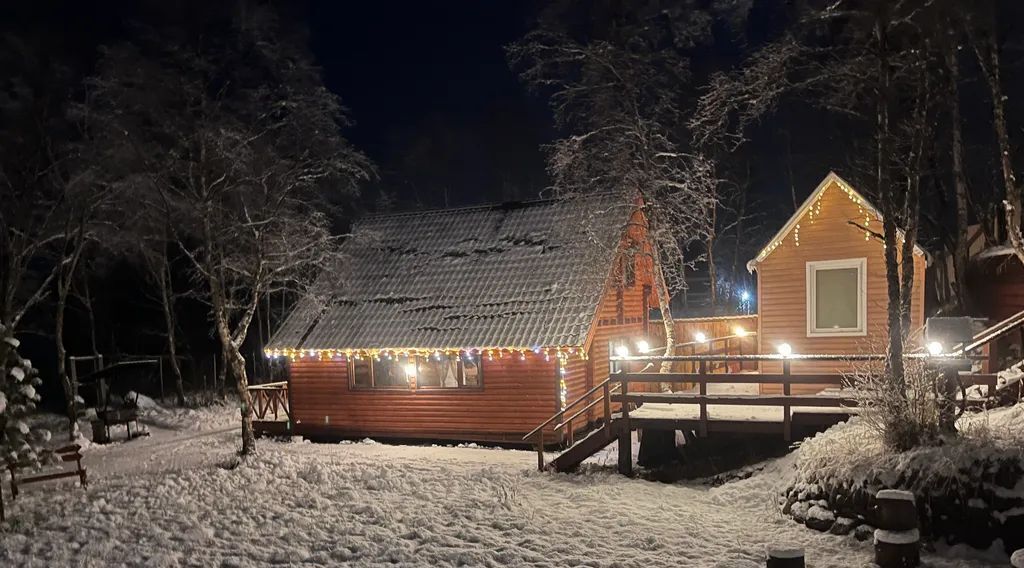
[{"x": 861, "y": 264}]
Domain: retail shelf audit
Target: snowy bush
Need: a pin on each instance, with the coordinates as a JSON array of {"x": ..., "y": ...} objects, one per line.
[
  {"x": 18, "y": 397},
  {"x": 855, "y": 454},
  {"x": 905, "y": 416}
]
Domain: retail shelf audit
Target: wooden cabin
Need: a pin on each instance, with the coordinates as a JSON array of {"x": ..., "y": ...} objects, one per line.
[
  {"x": 821, "y": 281},
  {"x": 468, "y": 324}
]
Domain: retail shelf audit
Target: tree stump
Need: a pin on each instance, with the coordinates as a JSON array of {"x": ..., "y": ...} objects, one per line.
[
  {"x": 782, "y": 557},
  {"x": 897, "y": 540}
]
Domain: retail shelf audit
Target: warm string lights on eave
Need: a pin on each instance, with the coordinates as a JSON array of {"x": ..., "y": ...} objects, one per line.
[
  {"x": 563, "y": 353},
  {"x": 812, "y": 212}
]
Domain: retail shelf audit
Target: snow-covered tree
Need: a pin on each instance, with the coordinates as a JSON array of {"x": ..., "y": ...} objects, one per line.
[
  {"x": 236, "y": 135},
  {"x": 19, "y": 443},
  {"x": 617, "y": 91}
]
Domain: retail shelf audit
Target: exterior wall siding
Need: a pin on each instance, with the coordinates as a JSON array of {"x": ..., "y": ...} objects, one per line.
[
  {"x": 517, "y": 395},
  {"x": 782, "y": 287}
]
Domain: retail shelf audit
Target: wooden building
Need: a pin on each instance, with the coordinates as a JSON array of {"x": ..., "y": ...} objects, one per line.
[
  {"x": 821, "y": 280},
  {"x": 468, "y": 324}
]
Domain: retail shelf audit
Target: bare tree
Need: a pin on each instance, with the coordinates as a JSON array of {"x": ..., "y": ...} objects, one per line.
[
  {"x": 243, "y": 143},
  {"x": 981, "y": 28},
  {"x": 618, "y": 99},
  {"x": 879, "y": 51}
]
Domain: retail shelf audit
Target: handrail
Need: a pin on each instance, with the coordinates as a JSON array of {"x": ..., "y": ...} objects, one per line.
[
  {"x": 992, "y": 332},
  {"x": 614, "y": 390},
  {"x": 777, "y": 357},
  {"x": 711, "y": 340},
  {"x": 596, "y": 388},
  {"x": 269, "y": 386}
]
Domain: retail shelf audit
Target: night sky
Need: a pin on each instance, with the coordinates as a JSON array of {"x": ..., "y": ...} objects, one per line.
[{"x": 435, "y": 103}]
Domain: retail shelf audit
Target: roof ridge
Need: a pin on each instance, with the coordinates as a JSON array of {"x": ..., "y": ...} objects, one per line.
[{"x": 480, "y": 206}]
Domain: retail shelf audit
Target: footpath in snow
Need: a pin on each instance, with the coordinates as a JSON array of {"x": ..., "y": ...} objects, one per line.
[{"x": 181, "y": 498}]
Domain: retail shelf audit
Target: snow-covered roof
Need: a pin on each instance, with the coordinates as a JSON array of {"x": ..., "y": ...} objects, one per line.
[
  {"x": 831, "y": 178},
  {"x": 522, "y": 275}
]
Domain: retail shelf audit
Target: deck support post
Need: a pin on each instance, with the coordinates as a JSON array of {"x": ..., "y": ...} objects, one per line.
[
  {"x": 625, "y": 434},
  {"x": 702, "y": 429},
  {"x": 607, "y": 410},
  {"x": 540, "y": 450},
  {"x": 625, "y": 449},
  {"x": 787, "y": 415}
]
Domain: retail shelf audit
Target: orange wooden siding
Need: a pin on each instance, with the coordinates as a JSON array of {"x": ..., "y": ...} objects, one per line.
[
  {"x": 517, "y": 395},
  {"x": 782, "y": 285}
]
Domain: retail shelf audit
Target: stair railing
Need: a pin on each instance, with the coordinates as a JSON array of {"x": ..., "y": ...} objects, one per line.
[{"x": 604, "y": 387}]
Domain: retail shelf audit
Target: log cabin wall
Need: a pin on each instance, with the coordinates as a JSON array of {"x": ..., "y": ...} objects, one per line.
[
  {"x": 782, "y": 287},
  {"x": 517, "y": 395}
]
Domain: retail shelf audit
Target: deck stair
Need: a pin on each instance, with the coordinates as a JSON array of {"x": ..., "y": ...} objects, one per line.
[{"x": 595, "y": 441}]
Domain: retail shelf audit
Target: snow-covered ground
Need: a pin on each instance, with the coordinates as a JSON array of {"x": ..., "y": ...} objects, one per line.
[{"x": 181, "y": 498}]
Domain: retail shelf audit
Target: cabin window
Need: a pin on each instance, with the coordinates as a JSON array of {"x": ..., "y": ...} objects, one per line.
[
  {"x": 430, "y": 372},
  {"x": 837, "y": 297},
  {"x": 384, "y": 373},
  {"x": 448, "y": 372}
]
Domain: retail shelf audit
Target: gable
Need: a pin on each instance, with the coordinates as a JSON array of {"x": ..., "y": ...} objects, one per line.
[{"x": 859, "y": 214}]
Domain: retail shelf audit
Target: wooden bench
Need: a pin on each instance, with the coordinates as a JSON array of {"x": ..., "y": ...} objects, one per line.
[{"x": 65, "y": 455}]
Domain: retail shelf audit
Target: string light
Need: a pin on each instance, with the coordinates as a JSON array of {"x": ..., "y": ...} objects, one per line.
[{"x": 559, "y": 352}]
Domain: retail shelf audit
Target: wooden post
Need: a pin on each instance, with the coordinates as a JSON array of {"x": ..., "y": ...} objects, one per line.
[
  {"x": 625, "y": 434},
  {"x": 607, "y": 403},
  {"x": 779, "y": 557},
  {"x": 702, "y": 428},
  {"x": 540, "y": 450},
  {"x": 897, "y": 540},
  {"x": 787, "y": 418},
  {"x": 572, "y": 436}
]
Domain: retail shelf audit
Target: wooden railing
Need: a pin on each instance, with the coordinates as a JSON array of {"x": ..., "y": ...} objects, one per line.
[
  {"x": 702, "y": 399},
  {"x": 270, "y": 400},
  {"x": 537, "y": 434}
]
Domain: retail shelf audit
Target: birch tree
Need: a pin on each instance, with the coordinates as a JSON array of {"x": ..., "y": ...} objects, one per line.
[
  {"x": 242, "y": 141},
  {"x": 617, "y": 94}
]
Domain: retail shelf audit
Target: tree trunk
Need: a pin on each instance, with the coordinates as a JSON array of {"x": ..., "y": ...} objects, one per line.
[
  {"x": 961, "y": 254},
  {"x": 167, "y": 302},
  {"x": 65, "y": 276},
  {"x": 234, "y": 355},
  {"x": 911, "y": 206},
  {"x": 988, "y": 58},
  {"x": 67, "y": 383},
  {"x": 894, "y": 359},
  {"x": 665, "y": 306}
]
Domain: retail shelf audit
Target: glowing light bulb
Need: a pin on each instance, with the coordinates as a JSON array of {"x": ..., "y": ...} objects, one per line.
[
  {"x": 622, "y": 351},
  {"x": 935, "y": 348},
  {"x": 642, "y": 346},
  {"x": 700, "y": 337},
  {"x": 744, "y": 296},
  {"x": 785, "y": 349},
  {"x": 739, "y": 331}
]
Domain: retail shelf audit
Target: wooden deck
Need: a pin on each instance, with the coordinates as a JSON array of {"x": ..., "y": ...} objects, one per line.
[{"x": 720, "y": 403}]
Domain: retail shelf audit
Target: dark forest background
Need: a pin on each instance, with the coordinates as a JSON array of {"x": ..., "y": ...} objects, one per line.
[{"x": 434, "y": 103}]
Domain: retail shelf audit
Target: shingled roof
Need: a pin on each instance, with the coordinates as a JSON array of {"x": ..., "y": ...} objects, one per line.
[{"x": 518, "y": 275}]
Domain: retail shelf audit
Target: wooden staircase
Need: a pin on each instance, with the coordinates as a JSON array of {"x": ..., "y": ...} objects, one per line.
[
  {"x": 612, "y": 427},
  {"x": 592, "y": 443}
]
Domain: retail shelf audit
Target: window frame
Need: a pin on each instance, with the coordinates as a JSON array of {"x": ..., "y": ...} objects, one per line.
[
  {"x": 462, "y": 373},
  {"x": 862, "y": 297},
  {"x": 414, "y": 386}
]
